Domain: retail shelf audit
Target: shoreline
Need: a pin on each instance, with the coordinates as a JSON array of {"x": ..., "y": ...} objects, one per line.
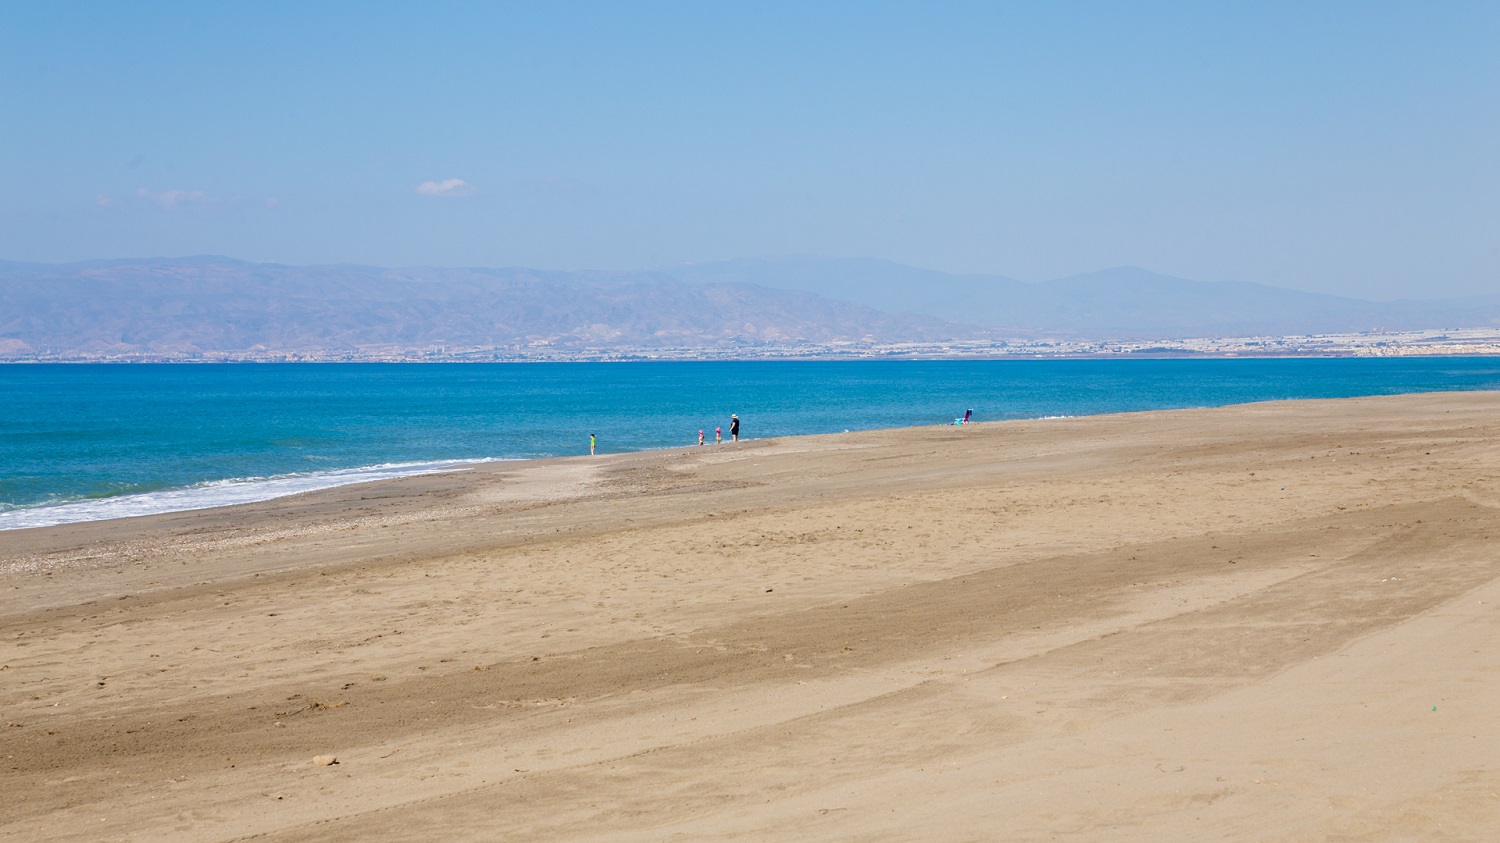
[
  {"x": 213, "y": 494},
  {"x": 1121, "y": 627},
  {"x": 238, "y": 491},
  {"x": 537, "y": 473},
  {"x": 98, "y": 458}
]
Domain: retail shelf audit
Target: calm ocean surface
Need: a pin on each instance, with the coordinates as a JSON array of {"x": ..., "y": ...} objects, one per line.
[{"x": 85, "y": 442}]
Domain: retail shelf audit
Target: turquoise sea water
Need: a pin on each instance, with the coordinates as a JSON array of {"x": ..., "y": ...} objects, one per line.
[{"x": 81, "y": 442}]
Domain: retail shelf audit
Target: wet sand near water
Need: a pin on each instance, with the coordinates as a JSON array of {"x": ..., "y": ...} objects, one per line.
[{"x": 1266, "y": 622}]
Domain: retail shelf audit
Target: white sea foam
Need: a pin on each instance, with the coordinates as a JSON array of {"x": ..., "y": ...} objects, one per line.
[{"x": 216, "y": 493}]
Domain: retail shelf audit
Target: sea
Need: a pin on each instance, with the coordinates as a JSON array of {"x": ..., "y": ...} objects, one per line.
[{"x": 84, "y": 442}]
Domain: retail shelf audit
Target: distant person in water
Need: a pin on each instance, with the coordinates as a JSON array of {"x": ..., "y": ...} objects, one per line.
[
  {"x": 700, "y": 437},
  {"x": 718, "y": 436},
  {"x": 591, "y": 444},
  {"x": 734, "y": 427}
]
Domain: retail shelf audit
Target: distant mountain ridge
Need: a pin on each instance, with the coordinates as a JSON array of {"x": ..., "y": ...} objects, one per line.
[
  {"x": 1123, "y": 303},
  {"x": 218, "y": 305},
  {"x": 214, "y": 305}
]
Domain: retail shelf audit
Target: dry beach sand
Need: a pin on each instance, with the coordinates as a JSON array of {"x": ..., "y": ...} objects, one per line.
[{"x": 1268, "y": 622}]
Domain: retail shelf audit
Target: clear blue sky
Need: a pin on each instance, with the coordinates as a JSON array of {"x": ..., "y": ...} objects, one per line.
[{"x": 1350, "y": 147}]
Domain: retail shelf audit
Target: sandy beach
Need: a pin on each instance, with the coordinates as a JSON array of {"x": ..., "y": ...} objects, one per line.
[{"x": 1265, "y": 622}]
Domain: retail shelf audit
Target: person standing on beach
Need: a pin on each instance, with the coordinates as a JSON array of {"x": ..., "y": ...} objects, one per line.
[
  {"x": 734, "y": 427},
  {"x": 700, "y": 437},
  {"x": 591, "y": 444},
  {"x": 718, "y": 436}
]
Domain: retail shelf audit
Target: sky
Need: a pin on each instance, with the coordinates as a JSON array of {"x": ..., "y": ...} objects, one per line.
[{"x": 1340, "y": 147}]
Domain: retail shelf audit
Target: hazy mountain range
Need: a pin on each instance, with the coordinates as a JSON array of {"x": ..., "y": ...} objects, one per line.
[
  {"x": 213, "y": 304},
  {"x": 1120, "y": 303},
  {"x": 220, "y": 305}
]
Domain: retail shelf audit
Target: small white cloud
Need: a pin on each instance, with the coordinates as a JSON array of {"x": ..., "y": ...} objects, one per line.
[
  {"x": 447, "y": 189},
  {"x": 273, "y": 201},
  {"x": 103, "y": 200},
  {"x": 171, "y": 199}
]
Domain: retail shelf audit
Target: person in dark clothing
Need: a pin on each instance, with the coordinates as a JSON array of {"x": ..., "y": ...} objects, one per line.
[{"x": 734, "y": 427}]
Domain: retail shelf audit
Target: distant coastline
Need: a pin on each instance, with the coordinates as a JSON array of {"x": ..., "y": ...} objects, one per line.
[
  {"x": 1467, "y": 342},
  {"x": 218, "y": 309}
]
